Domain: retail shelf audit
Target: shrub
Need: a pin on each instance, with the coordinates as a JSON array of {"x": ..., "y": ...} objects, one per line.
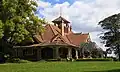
[
  {"x": 95, "y": 59},
  {"x": 59, "y": 59},
  {"x": 16, "y": 60},
  {"x": 12, "y": 60},
  {"x": 24, "y": 61},
  {"x": 70, "y": 59},
  {"x": 41, "y": 61},
  {"x": 52, "y": 60},
  {"x": 115, "y": 59}
]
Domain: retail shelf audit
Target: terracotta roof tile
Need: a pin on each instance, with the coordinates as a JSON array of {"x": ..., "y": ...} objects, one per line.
[
  {"x": 48, "y": 34},
  {"x": 55, "y": 29},
  {"x": 38, "y": 38},
  {"x": 78, "y": 38}
]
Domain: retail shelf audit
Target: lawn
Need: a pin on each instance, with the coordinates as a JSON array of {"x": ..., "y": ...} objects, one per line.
[{"x": 61, "y": 67}]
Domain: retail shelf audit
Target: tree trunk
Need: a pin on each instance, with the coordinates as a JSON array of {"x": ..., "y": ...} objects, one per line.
[
  {"x": 83, "y": 52},
  {"x": 105, "y": 54}
]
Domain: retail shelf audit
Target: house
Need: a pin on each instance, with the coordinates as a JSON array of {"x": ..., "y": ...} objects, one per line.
[{"x": 57, "y": 41}]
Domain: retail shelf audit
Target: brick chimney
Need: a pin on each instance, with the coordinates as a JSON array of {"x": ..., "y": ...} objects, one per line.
[{"x": 69, "y": 28}]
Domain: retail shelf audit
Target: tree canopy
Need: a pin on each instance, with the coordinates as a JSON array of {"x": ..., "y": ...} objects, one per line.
[
  {"x": 1, "y": 29},
  {"x": 18, "y": 21},
  {"x": 91, "y": 49},
  {"x": 111, "y": 35}
]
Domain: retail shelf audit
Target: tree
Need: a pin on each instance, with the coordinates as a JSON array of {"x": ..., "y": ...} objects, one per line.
[
  {"x": 108, "y": 51},
  {"x": 84, "y": 48},
  {"x": 1, "y": 29},
  {"x": 111, "y": 34},
  {"x": 97, "y": 53},
  {"x": 91, "y": 49},
  {"x": 18, "y": 21}
]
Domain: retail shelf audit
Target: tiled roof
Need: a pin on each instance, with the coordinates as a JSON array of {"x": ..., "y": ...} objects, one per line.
[
  {"x": 76, "y": 39},
  {"x": 52, "y": 36},
  {"x": 48, "y": 34},
  {"x": 46, "y": 44},
  {"x": 53, "y": 33}
]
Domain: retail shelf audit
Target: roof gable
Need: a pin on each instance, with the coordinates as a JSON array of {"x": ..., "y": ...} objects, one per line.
[
  {"x": 57, "y": 38},
  {"x": 47, "y": 34}
]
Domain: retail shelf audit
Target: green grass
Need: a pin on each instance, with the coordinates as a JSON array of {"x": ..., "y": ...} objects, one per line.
[{"x": 61, "y": 67}]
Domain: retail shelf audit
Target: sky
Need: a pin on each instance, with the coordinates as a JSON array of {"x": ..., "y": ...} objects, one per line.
[{"x": 84, "y": 15}]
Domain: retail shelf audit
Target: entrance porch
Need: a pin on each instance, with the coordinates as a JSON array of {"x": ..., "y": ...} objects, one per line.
[{"x": 46, "y": 52}]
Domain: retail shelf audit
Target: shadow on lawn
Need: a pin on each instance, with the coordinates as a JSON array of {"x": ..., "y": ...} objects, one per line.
[{"x": 114, "y": 70}]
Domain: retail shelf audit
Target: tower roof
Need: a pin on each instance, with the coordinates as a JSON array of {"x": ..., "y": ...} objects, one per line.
[{"x": 60, "y": 19}]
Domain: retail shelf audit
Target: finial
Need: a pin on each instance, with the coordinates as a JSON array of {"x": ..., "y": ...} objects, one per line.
[{"x": 60, "y": 10}]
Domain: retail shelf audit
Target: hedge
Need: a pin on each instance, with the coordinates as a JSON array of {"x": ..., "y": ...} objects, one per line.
[
  {"x": 95, "y": 59},
  {"x": 16, "y": 60},
  {"x": 80, "y": 59},
  {"x": 56, "y": 59}
]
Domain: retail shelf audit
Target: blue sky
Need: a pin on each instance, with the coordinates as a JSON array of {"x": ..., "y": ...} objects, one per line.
[
  {"x": 58, "y": 1},
  {"x": 62, "y": 1}
]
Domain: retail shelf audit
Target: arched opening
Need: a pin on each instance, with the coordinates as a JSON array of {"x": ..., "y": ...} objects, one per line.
[
  {"x": 73, "y": 53},
  {"x": 63, "y": 52},
  {"x": 47, "y": 53}
]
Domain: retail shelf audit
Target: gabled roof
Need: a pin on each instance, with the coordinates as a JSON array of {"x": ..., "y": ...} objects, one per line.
[
  {"x": 52, "y": 36},
  {"x": 50, "y": 32},
  {"x": 53, "y": 33},
  {"x": 60, "y": 19}
]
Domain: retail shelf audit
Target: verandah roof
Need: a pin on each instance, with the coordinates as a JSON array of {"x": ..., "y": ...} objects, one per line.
[{"x": 45, "y": 44}]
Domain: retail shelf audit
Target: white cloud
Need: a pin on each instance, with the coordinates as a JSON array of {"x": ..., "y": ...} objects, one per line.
[
  {"x": 43, "y": 4},
  {"x": 84, "y": 16}
]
